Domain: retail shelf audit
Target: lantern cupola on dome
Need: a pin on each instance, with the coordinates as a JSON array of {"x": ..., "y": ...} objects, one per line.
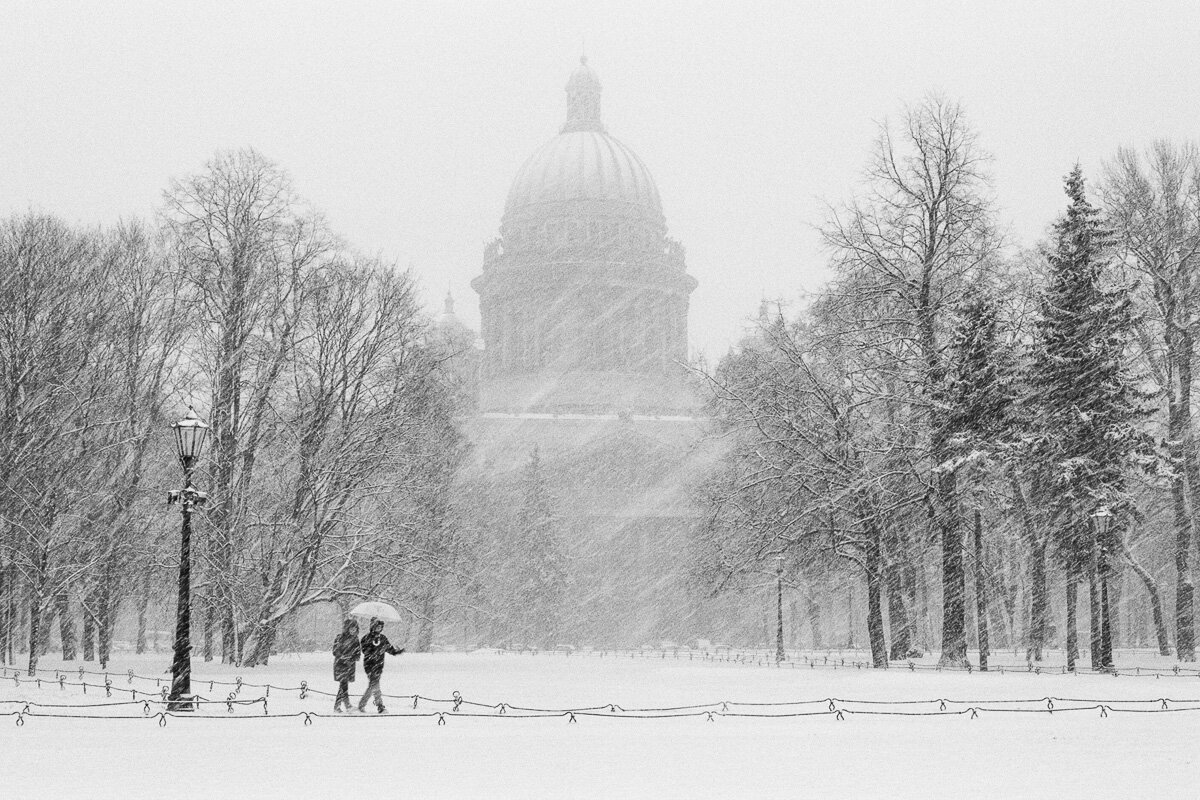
[
  {"x": 584, "y": 169},
  {"x": 583, "y": 100}
]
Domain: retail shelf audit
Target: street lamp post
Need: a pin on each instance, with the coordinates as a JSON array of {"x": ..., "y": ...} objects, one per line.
[
  {"x": 189, "y": 441},
  {"x": 1102, "y": 518},
  {"x": 779, "y": 654}
]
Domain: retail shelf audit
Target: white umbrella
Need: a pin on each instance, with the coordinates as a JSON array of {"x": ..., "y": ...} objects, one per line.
[{"x": 376, "y": 609}]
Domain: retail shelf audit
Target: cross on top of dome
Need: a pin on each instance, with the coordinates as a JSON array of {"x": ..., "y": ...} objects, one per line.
[{"x": 583, "y": 100}]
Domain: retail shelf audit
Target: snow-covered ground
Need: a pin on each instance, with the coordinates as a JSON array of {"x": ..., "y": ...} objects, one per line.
[{"x": 642, "y": 729}]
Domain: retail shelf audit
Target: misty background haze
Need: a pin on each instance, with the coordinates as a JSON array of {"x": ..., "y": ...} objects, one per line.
[
  {"x": 635, "y": 366},
  {"x": 405, "y": 122}
]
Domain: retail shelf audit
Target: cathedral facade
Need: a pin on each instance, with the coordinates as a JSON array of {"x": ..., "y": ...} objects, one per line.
[{"x": 583, "y": 304}]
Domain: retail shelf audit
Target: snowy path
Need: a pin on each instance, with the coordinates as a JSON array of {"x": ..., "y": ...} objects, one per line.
[{"x": 611, "y": 753}]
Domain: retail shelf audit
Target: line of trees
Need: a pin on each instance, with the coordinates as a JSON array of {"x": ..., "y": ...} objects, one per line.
[
  {"x": 948, "y": 406},
  {"x": 333, "y": 434},
  {"x": 949, "y": 420}
]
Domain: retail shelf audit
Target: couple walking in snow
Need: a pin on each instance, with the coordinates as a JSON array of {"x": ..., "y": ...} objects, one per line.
[{"x": 346, "y": 649}]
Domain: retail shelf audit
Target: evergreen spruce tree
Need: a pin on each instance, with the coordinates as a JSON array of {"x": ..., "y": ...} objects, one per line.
[
  {"x": 1087, "y": 404},
  {"x": 979, "y": 396},
  {"x": 541, "y": 586}
]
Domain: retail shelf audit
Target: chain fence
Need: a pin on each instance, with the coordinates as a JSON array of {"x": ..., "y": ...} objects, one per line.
[{"x": 144, "y": 703}]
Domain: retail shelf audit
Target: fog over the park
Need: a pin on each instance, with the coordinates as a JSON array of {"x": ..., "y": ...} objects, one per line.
[
  {"x": 612, "y": 399},
  {"x": 406, "y": 122}
]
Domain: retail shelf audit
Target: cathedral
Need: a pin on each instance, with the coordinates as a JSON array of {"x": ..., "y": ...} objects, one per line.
[
  {"x": 583, "y": 276},
  {"x": 583, "y": 303}
]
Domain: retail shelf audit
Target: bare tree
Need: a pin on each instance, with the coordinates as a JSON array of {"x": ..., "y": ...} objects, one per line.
[
  {"x": 355, "y": 427},
  {"x": 1153, "y": 204},
  {"x": 923, "y": 227},
  {"x": 56, "y": 358},
  {"x": 248, "y": 249},
  {"x": 812, "y": 473}
]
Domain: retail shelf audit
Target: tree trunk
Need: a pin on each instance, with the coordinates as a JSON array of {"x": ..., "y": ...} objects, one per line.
[
  {"x": 874, "y": 563},
  {"x": 238, "y": 641},
  {"x": 1137, "y": 617},
  {"x": 1094, "y": 618},
  {"x": 954, "y": 586},
  {"x": 981, "y": 603},
  {"x": 142, "y": 611},
  {"x": 851, "y": 644},
  {"x": 35, "y": 633},
  {"x": 898, "y": 615},
  {"x": 88, "y": 636},
  {"x": 793, "y": 635},
  {"x": 1039, "y": 601},
  {"x": 1039, "y": 591},
  {"x": 140, "y": 646},
  {"x": 209, "y": 613},
  {"x": 22, "y": 625},
  {"x": 44, "y": 627},
  {"x": 226, "y": 413},
  {"x": 5, "y": 619},
  {"x": 1106, "y": 629},
  {"x": 1185, "y": 643},
  {"x": 231, "y": 643},
  {"x": 909, "y": 584},
  {"x": 814, "y": 622},
  {"x": 66, "y": 626},
  {"x": 1156, "y": 610},
  {"x": 900, "y": 600},
  {"x": 1118, "y": 631},
  {"x": 1182, "y": 447},
  {"x": 1072, "y": 628},
  {"x": 106, "y": 612},
  {"x": 1139, "y": 623},
  {"x": 13, "y": 623},
  {"x": 1005, "y": 612},
  {"x": 262, "y": 639}
]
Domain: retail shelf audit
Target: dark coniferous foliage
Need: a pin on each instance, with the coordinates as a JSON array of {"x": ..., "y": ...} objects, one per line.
[
  {"x": 980, "y": 390},
  {"x": 540, "y": 590},
  {"x": 1087, "y": 404}
]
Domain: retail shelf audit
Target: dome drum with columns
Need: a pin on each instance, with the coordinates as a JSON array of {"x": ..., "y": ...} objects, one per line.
[{"x": 583, "y": 276}]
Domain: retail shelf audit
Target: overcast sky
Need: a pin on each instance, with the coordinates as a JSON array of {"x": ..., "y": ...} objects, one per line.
[{"x": 405, "y": 122}]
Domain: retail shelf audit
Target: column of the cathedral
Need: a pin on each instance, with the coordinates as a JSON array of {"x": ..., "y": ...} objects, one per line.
[
  {"x": 675, "y": 333},
  {"x": 662, "y": 331},
  {"x": 681, "y": 327},
  {"x": 647, "y": 337},
  {"x": 506, "y": 343},
  {"x": 523, "y": 326},
  {"x": 628, "y": 331},
  {"x": 537, "y": 322}
]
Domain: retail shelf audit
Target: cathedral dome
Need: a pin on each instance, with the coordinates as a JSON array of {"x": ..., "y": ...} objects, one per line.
[
  {"x": 584, "y": 166},
  {"x": 583, "y": 277}
]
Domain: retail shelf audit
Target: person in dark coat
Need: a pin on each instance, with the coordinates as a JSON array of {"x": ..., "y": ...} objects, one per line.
[
  {"x": 374, "y": 646},
  {"x": 346, "y": 651}
]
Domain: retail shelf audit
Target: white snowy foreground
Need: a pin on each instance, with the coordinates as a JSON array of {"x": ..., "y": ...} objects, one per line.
[{"x": 624, "y": 742}]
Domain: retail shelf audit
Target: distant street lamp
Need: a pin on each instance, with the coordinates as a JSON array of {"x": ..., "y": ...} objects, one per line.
[
  {"x": 1102, "y": 518},
  {"x": 189, "y": 441},
  {"x": 779, "y": 654}
]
